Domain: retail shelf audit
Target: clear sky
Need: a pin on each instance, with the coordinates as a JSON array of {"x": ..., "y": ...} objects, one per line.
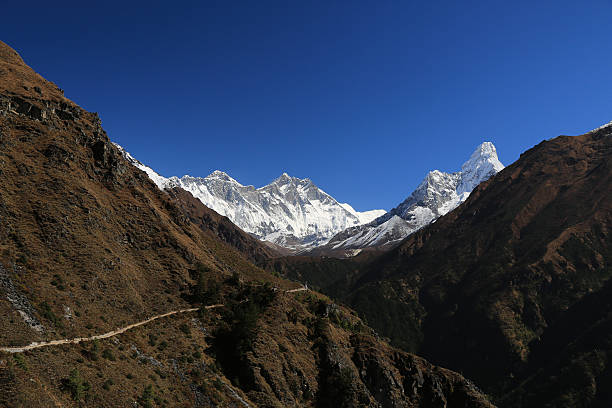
[{"x": 361, "y": 97}]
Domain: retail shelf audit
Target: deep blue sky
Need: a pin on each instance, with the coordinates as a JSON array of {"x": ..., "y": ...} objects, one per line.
[{"x": 362, "y": 97}]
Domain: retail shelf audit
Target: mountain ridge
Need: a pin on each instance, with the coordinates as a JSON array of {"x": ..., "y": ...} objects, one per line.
[
  {"x": 512, "y": 287},
  {"x": 436, "y": 195},
  {"x": 289, "y": 211}
]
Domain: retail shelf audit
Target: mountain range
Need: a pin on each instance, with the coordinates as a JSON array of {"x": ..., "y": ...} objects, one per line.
[
  {"x": 291, "y": 212},
  {"x": 295, "y": 214}
]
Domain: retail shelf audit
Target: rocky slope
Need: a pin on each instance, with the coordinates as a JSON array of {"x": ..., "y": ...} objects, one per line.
[
  {"x": 511, "y": 288},
  {"x": 88, "y": 244},
  {"x": 290, "y": 212},
  {"x": 437, "y": 194}
]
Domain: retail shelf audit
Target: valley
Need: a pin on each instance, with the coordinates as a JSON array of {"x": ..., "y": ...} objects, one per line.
[{"x": 89, "y": 244}]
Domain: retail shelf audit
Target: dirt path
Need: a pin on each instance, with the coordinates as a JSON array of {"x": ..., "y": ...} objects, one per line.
[
  {"x": 35, "y": 345},
  {"x": 302, "y": 289}
]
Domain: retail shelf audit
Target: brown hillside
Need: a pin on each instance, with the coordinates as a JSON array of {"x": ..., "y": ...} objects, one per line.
[
  {"x": 221, "y": 227},
  {"x": 480, "y": 288}
]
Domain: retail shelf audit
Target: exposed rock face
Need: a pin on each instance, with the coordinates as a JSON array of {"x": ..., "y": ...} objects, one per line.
[
  {"x": 437, "y": 194},
  {"x": 338, "y": 368},
  {"x": 19, "y": 302}
]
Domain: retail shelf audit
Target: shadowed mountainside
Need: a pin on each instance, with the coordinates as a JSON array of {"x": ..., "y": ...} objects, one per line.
[{"x": 511, "y": 288}]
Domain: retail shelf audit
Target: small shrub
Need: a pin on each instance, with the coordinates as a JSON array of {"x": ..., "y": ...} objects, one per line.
[
  {"x": 161, "y": 374},
  {"x": 94, "y": 351},
  {"x": 107, "y": 384},
  {"x": 146, "y": 399},
  {"x": 293, "y": 315},
  {"x": 207, "y": 291},
  {"x": 108, "y": 354},
  {"x": 20, "y": 361},
  {"x": 234, "y": 280},
  {"x": 47, "y": 313},
  {"x": 185, "y": 329},
  {"x": 75, "y": 385}
]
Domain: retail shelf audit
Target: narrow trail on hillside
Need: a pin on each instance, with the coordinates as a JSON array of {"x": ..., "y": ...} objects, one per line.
[{"x": 39, "y": 344}]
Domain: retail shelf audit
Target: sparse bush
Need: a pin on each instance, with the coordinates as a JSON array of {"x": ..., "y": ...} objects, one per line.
[
  {"x": 20, "y": 361},
  {"x": 94, "y": 351},
  {"x": 75, "y": 385},
  {"x": 108, "y": 354},
  {"x": 146, "y": 399},
  {"x": 107, "y": 384},
  {"x": 234, "y": 279},
  {"x": 292, "y": 315},
  {"x": 47, "y": 313},
  {"x": 185, "y": 329},
  {"x": 160, "y": 373},
  {"x": 234, "y": 338}
]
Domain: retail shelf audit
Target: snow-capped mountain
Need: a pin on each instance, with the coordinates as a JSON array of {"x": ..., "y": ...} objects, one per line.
[
  {"x": 290, "y": 212},
  {"x": 438, "y": 194}
]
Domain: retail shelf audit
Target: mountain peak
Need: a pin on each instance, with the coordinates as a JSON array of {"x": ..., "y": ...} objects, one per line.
[
  {"x": 485, "y": 150},
  {"x": 220, "y": 175},
  {"x": 484, "y": 153},
  {"x": 482, "y": 164},
  {"x": 286, "y": 178},
  {"x": 438, "y": 193}
]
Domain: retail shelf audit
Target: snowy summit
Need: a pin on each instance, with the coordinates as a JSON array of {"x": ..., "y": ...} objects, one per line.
[{"x": 438, "y": 194}]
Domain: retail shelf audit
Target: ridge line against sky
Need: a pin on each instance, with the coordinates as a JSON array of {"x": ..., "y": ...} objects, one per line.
[{"x": 362, "y": 99}]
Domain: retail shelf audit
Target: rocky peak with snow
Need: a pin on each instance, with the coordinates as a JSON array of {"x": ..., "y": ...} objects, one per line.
[
  {"x": 290, "y": 211},
  {"x": 438, "y": 194},
  {"x": 483, "y": 163}
]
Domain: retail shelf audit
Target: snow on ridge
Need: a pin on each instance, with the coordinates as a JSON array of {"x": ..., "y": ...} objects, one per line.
[
  {"x": 601, "y": 127},
  {"x": 364, "y": 216},
  {"x": 295, "y": 213},
  {"x": 438, "y": 194},
  {"x": 289, "y": 211},
  {"x": 161, "y": 181}
]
